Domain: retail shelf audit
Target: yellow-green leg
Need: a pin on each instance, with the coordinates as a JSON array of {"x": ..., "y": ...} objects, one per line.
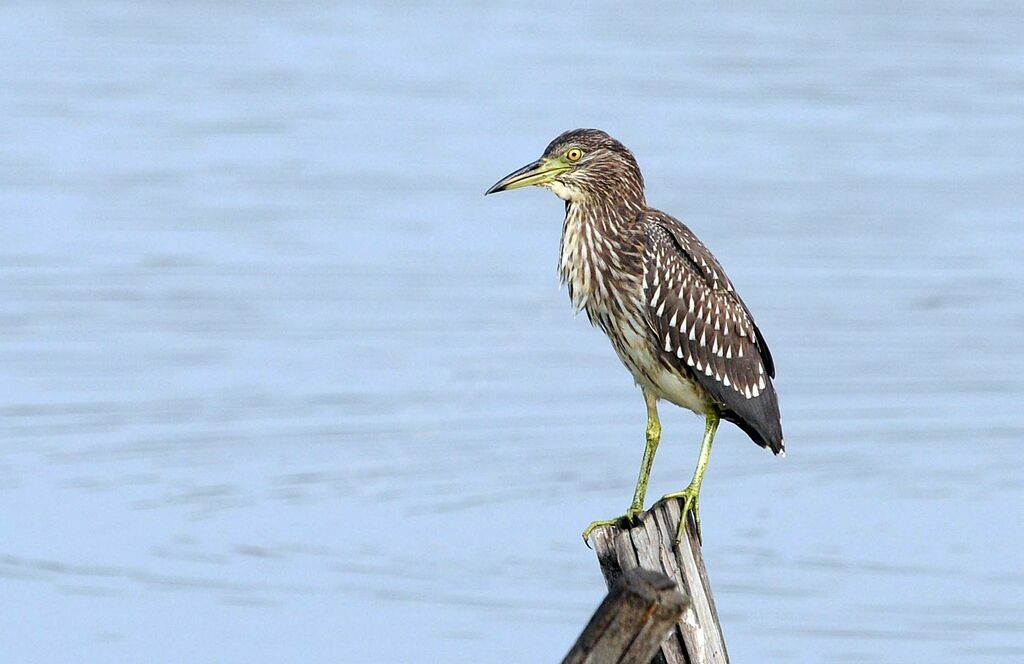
[
  {"x": 653, "y": 438},
  {"x": 691, "y": 494}
]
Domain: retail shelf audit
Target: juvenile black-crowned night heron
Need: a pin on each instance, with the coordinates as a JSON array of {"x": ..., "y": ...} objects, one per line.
[{"x": 665, "y": 303}]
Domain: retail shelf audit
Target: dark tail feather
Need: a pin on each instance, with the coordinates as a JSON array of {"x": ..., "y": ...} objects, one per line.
[{"x": 760, "y": 420}]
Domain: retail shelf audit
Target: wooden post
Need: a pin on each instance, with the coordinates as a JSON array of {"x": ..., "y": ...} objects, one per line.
[
  {"x": 632, "y": 621},
  {"x": 697, "y": 637}
]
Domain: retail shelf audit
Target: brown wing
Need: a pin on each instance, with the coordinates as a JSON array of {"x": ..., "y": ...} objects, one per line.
[{"x": 706, "y": 331}]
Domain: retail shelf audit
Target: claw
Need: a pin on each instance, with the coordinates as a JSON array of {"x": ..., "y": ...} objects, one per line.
[
  {"x": 630, "y": 518},
  {"x": 691, "y": 505}
]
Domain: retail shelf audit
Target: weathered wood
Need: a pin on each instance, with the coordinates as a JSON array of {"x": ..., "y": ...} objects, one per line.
[
  {"x": 697, "y": 637},
  {"x": 632, "y": 621}
]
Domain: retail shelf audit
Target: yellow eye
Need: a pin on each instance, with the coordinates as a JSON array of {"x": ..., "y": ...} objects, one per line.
[{"x": 574, "y": 154}]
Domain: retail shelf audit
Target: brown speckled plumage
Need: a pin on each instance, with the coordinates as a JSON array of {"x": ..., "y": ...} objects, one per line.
[{"x": 671, "y": 313}]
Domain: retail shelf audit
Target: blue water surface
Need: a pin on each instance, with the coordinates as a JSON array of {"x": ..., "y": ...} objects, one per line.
[{"x": 279, "y": 384}]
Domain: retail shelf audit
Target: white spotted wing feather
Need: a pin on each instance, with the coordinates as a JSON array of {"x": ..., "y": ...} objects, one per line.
[{"x": 705, "y": 331}]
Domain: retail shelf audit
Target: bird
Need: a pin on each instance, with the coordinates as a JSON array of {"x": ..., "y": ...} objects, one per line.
[{"x": 671, "y": 313}]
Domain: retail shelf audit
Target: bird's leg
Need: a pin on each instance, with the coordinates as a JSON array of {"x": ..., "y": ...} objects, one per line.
[
  {"x": 691, "y": 494},
  {"x": 653, "y": 438}
]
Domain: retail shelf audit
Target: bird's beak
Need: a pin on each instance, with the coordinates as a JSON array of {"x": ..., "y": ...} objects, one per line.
[{"x": 541, "y": 171}]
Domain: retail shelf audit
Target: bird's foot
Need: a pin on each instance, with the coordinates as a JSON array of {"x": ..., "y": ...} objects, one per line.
[
  {"x": 628, "y": 519},
  {"x": 691, "y": 505}
]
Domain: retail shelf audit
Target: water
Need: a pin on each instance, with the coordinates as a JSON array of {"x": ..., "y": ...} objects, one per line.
[{"x": 280, "y": 384}]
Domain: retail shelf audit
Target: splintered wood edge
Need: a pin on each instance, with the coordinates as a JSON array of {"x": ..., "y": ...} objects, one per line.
[
  {"x": 632, "y": 621},
  {"x": 643, "y": 546}
]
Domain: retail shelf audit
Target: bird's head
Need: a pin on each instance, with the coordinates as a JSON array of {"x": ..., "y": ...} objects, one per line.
[{"x": 581, "y": 165}]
